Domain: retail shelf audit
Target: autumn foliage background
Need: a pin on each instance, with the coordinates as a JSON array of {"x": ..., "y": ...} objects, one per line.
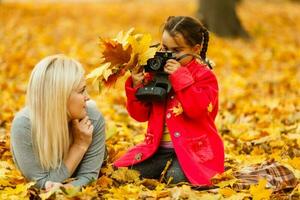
[{"x": 259, "y": 84}]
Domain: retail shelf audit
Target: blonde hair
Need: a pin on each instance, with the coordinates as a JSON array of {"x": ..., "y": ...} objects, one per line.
[{"x": 51, "y": 83}]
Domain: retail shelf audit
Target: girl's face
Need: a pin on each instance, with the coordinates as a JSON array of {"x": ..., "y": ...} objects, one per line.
[
  {"x": 178, "y": 45},
  {"x": 77, "y": 102}
]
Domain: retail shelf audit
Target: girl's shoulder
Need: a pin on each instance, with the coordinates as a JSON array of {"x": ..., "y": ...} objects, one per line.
[{"x": 201, "y": 70}]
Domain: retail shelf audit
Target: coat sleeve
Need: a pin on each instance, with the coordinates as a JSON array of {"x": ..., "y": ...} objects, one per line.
[
  {"x": 196, "y": 93},
  {"x": 137, "y": 109}
]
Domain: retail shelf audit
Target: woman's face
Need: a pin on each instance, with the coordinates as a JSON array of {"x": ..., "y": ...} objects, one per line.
[
  {"x": 178, "y": 45},
  {"x": 77, "y": 102}
]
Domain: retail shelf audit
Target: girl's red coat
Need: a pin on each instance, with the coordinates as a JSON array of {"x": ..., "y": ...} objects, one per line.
[{"x": 189, "y": 114}]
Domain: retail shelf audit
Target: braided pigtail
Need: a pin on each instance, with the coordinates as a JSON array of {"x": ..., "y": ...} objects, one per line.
[
  {"x": 204, "y": 44},
  {"x": 205, "y": 47}
]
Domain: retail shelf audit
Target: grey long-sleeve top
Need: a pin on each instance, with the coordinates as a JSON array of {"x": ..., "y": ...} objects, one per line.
[{"x": 27, "y": 161}]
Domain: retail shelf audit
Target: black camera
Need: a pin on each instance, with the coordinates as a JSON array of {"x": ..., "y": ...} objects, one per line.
[
  {"x": 157, "y": 63},
  {"x": 158, "y": 88}
]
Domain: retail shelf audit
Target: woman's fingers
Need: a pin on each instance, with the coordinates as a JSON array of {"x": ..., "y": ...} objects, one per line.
[
  {"x": 84, "y": 120},
  {"x": 91, "y": 128},
  {"x": 83, "y": 132},
  {"x": 89, "y": 122},
  {"x": 49, "y": 185},
  {"x": 82, "y": 125}
]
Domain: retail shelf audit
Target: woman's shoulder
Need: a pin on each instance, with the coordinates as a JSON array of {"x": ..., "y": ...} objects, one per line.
[
  {"x": 21, "y": 121},
  {"x": 22, "y": 116},
  {"x": 92, "y": 111}
]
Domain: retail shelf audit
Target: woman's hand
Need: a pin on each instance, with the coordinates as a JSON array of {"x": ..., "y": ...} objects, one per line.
[
  {"x": 50, "y": 185},
  {"x": 82, "y": 132},
  {"x": 137, "y": 77},
  {"x": 171, "y": 66}
]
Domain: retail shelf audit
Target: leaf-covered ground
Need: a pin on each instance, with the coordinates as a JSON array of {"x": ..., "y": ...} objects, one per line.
[{"x": 259, "y": 90}]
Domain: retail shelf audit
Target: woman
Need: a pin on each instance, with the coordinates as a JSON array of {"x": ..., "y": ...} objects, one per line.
[{"x": 59, "y": 134}]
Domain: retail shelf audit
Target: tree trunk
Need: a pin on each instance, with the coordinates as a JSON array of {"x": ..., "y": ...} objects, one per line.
[{"x": 220, "y": 17}]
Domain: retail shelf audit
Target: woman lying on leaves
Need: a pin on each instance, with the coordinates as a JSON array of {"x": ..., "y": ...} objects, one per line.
[{"x": 60, "y": 133}]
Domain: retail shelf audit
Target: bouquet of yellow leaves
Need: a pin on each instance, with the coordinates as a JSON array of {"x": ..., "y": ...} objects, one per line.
[{"x": 127, "y": 51}]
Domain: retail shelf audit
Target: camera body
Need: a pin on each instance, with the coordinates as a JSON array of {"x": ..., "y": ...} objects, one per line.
[
  {"x": 158, "y": 88},
  {"x": 157, "y": 63}
]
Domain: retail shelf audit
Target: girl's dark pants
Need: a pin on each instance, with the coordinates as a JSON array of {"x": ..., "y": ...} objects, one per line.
[{"x": 154, "y": 166}]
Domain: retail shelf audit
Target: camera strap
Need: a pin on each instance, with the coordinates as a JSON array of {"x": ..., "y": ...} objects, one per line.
[
  {"x": 154, "y": 45},
  {"x": 186, "y": 55},
  {"x": 195, "y": 56}
]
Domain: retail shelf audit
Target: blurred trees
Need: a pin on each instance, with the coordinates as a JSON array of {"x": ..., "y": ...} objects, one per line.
[{"x": 220, "y": 17}]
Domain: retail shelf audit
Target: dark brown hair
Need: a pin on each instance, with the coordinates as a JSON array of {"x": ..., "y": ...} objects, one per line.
[{"x": 191, "y": 29}]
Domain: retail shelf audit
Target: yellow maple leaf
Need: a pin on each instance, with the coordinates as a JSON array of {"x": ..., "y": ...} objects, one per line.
[
  {"x": 19, "y": 192},
  {"x": 295, "y": 162},
  {"x": 210, "y": 107},
  {"x": 127, "y": 51},
  {"x": 125, "y": 175},
  {"x": 106, "y": 73},
  {"x": 104, "y": 181},
  {"x": 141, "y": 47},
  {"x": 177, "y": 110},
  {"x": 98, "y": 72},
  {"x": 259, "y": 192},
  {"x": 123, "y": 38},
  {"x": 227, "y": 192}
]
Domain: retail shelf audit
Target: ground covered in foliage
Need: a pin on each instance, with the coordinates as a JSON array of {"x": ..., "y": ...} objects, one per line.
[{"x": 259, "y": 91}]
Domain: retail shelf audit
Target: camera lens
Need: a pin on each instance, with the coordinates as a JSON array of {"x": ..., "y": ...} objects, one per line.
[{"x": 155, "y": 63}]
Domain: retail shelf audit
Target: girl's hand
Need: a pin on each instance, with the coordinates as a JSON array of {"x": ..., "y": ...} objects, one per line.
[
  {"x": 82, "y": 132},
  {"x": 137, "y": 77},
  {"x": 50, "y": 185},
  {"x": 171, "y": 66}
]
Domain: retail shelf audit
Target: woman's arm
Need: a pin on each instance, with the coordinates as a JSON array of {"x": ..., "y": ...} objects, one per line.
[
  {"x": 89, "y": 167},
  {"x": 75, "y": 155},
  {"x": 82, "y": 133}
]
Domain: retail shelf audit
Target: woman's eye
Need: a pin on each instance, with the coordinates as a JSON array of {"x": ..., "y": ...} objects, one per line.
[{"x": 82, "y": 91}]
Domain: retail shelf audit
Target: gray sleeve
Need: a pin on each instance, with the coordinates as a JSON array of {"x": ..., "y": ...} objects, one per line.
[
  {"x": 25, "y": 158},
  {"x": 89, "y": 167}
]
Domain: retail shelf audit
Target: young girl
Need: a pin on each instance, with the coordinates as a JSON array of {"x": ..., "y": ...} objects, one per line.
[{"x": 181, "y": 129}]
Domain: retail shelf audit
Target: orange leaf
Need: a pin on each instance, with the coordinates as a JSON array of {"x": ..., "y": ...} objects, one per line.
[{"x": 114, "y": 53}]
